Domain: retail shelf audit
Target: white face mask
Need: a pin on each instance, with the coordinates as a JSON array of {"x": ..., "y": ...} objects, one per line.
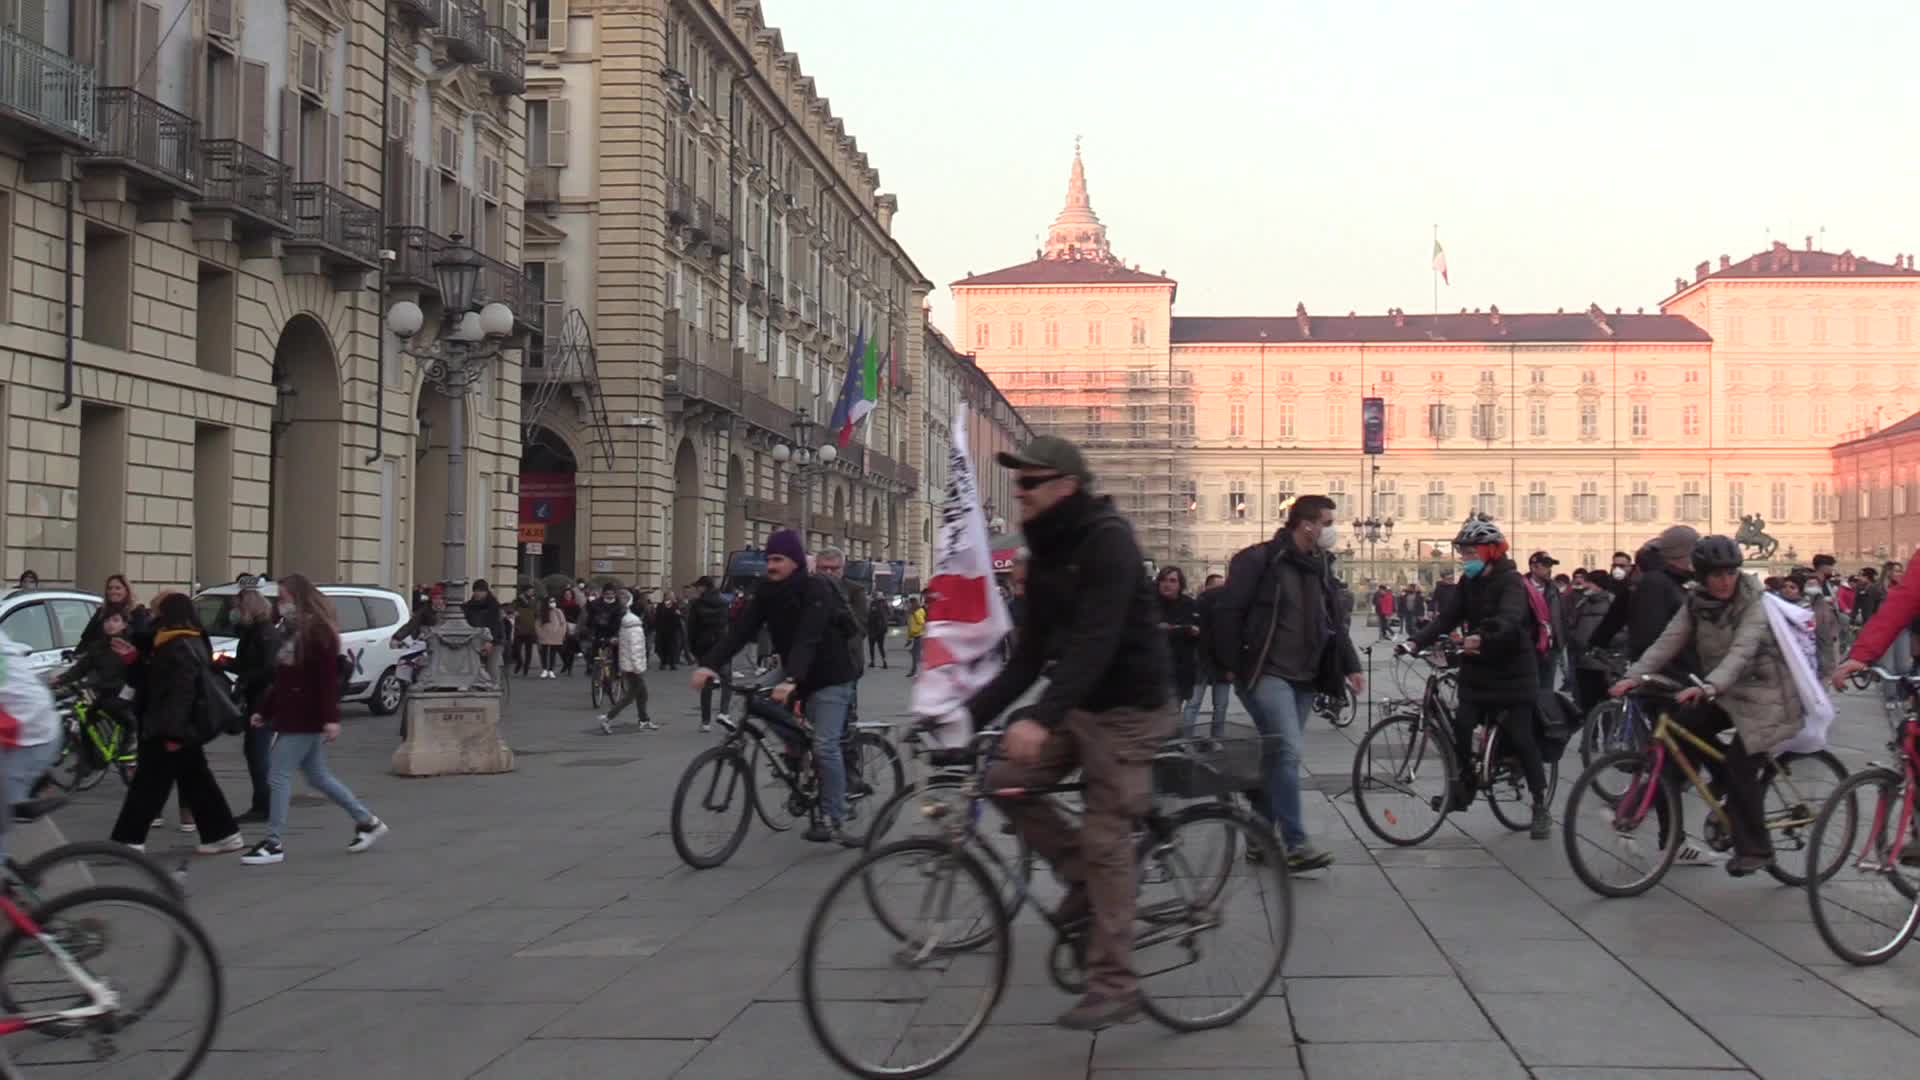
[
  {"x": 1619, "y": 573},
  {"x": 1329, "y": 536}
]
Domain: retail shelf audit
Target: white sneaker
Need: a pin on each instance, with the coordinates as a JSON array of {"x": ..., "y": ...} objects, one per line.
[
  {"x": 264, "y": 853},
  {"x": 704, "y": 728},
  {"x": 189, "y": 827},
  {"x": 606, "y": 725},
  {"x": 1692, "y": 854},
  {"x": 648, "y": 725},
  {"x": 141, "y": 848},
  {"x": 231, "y": 844},
  {"x": 365, "y": 836}
]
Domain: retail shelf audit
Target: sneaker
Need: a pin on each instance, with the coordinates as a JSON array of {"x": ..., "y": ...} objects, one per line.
[
  {"x": 648, "y": 725},
  {"x": 365, "y": 836},
  {"x": 1542, "y": 822},
  {"x": 1692, "y": 854},
  {"x": 1096, "y": 1011},
  {"x": 1308, "y": 858},
  {"x": 817, "y": 833},
  {"x": 141, "y": 848},
  {"x": 264, "y": 853},
  {"x": 159, "y": 823},
  {"x": 606, "y": 725},
  {"x": 845, "y": 837},
  {"x": 189, "y": 827},
  {"x": 223, "y": 847},
  {"x": 1742, "y": 865},
  {"x": 704, "y": 728}
]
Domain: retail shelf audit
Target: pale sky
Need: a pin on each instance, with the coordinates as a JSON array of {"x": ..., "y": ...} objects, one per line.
[{"x": 1269, "y": 153}]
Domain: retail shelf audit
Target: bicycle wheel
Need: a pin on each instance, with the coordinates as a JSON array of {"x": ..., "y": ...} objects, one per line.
[
  {"x": 1337, "y": 710},
  {"x": 87, "y": 863},
  {"x": 96, "y": 931},
  {"x": 1403, "y": 775},
  {"x": 1213, "y": 929},
  {"x": 718, "y": 785},
  {"x": 774, "y": 800},
  {"x": 1610, "y": 726},
  {"x": 1623, "y": 845},
  {"x": 920, "y": 812},
  {"x": 597, "y": 688},
  {"x": 887, "y": 1003},
  {"x": 874, "y": 774},
  {"x": 1802, "y": 788},
  {"x": 1506, "y": 785},
  {"x": 1869, "y": 908}
]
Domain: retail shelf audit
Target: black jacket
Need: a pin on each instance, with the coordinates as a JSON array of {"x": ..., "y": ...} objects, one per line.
[
  {"x": 253, "y": 662},
  {"x": 173, "y": 686},
  {"x": 487, "y": 614},
  {"x": 706, "y": 622},
  {"x": 1658, "y": 591},
  {"x": 139, "y": 623},
  {"x": 1494, "y": 605},
  {"x": 1210, "y": 666},
  {"x": 99, "y": 668},
  {"x": 666, "y": 625},
  {"x": 879, "y": 615},
  {"x": 1181, "y": 613},
  {"x": 1247, "y": 614},
  {"x": 1090, "y": 606},
  {"x": 800, "y": 615},
  {"x": 1443, "y": 594},
  {"x": 601, "y": 619},
  {"x": 1557, "y": 620}
]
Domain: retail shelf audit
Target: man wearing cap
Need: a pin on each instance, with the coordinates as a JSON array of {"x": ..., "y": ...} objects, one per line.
[
  {"x": 1540, "y": 578},
  {"x": 797, "y": 608},
  {"x": 1105, "y": 710},
  {"x": 1665, "y": 564}
]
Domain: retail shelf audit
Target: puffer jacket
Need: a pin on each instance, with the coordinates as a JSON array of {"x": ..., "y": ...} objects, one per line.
[
  {"x": 1735, "y": 644},
  {"x": 1492, "y": 604},
  {"x": 633, "y": 645}
]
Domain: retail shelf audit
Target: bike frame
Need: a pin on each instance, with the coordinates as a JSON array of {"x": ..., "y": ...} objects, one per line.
[
  {"x": 1905, "y": 743},
  {"x": 1666, "y": 739},
  {"x": 104, "y": 998}
]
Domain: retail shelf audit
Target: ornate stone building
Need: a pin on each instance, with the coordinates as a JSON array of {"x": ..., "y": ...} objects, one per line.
[
  {"x": 200, "y": 198},
  {"x": 1582, "y": 431},
  {"x": 711, "y": 243},
  {"x": 1876, "y": 483}
]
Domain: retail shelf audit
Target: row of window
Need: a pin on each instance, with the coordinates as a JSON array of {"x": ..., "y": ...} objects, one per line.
[
  {"x": 1016, "y": 334},
  {"x": 1639, "y": 504},
  {"x": 1814, "y": 328}
]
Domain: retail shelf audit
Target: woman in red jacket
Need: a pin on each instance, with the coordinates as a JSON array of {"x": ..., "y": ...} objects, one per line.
[{"x": 303, "y": 707}]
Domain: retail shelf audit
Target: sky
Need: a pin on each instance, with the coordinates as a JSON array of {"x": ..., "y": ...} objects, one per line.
[{"x": 1266, "y": 154}]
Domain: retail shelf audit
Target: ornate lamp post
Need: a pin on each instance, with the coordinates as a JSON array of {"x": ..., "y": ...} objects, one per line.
[
  {"x": 1373, "y": 532},
  {"x": 470, "y": 336},
  {"x": 806, "y": 462}
]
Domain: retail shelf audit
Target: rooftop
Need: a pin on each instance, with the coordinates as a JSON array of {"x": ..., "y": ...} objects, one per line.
[
  {"x": 1049, "y": 271},
  {"x": 1493, "y": 327},
  {"x": 1905, "y": 427},
  {"x": 1781, "y": 261}
]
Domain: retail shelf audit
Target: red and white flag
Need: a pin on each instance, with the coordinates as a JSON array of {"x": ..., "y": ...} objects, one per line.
[{"x": 966, "y": 618}]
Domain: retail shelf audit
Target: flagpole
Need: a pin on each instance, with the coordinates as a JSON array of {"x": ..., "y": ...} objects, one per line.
[{"x": 1436, "y": 278}]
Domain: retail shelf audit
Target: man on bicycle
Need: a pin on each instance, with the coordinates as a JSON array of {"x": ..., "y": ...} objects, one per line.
[
  {"x": 1499, "y": 661},
  {"x": 800, "y": 610},
  {"x": 1106, "y": 709},
  {"x": 600, "y": 627},
  {"x": 1724, "y": 622}
]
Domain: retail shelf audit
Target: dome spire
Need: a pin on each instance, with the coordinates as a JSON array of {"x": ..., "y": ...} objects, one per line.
[{"x": 1077, "y": 232}]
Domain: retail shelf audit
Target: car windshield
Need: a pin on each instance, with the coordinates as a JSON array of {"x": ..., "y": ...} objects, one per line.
[{"x": 216, "y": 614}]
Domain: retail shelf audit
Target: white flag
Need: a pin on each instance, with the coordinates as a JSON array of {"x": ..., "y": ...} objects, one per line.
[{"x": 966, "y": 618}]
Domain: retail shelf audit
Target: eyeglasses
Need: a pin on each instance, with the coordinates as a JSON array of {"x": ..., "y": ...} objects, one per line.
[{"x": 1028, "y": 483}]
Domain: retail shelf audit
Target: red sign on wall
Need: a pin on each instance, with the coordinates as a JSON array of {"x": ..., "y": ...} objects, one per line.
[{"x": 546, "y": 498}]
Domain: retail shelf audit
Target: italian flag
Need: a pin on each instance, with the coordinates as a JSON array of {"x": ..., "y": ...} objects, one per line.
[
  {"x": 1440, "y": 260},
  {"x": 868, "y": 389}
]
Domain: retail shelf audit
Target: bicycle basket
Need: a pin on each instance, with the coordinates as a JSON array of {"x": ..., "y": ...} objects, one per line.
[{"x": 1204, "y": 768}]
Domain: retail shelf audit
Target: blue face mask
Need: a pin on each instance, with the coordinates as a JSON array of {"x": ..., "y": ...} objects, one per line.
[{"x": 1472, "y": 567}]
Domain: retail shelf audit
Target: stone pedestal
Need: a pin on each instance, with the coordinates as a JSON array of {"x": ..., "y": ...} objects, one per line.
[{"x": 452, "y": 733}]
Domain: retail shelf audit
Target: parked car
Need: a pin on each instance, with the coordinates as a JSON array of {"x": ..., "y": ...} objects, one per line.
[
  {"x": 369, "y": 617},
  {"x": 48, "y": 621}
]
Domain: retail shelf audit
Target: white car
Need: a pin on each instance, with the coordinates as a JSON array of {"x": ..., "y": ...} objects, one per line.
[
  {"x": 48, "y": 622},
  {"x": 369, "y": 617}
]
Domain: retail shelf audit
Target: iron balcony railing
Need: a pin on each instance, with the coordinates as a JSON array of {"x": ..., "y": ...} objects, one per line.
[
  {"x": 415, "y": 249},
  {"x": 505, "y": 62},
  {"x": 133, "y": 128},
  {"x": 764, "y": 413},
  {"x": 769, "y": 510},
  {"x": 460, "y": 26},
  {"x": 330, "y": 218},
  {"x": 694, "y": 381},
  {"x": 238, "y": 177},
  {"x": 45, "y": 88},
  {"x": 909, "y": 476},
  {"x": 509, "y": 285},
  {"x": 679, "y": 203},
  {"x": 413, "y": 12},
  {"x": 543, "y": 183},
  {"x": 721, "y": 238},
  {"x": 702, "y": 219}
]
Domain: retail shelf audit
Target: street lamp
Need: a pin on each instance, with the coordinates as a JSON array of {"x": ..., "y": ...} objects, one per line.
[
  {"x": 1373, "y": 532},
  {"x": 806, "y": 461},
  {"x": 469, "y": 337}
]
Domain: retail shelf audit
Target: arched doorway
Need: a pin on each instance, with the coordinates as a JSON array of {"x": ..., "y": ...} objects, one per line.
[
  {"x": 304, "y": 530},
  {"x": 689, "y": 561},
  {"x": 549, "y": 525},
  {"x": 735, "y": 537},
  {"x": 432, "y": 425}
]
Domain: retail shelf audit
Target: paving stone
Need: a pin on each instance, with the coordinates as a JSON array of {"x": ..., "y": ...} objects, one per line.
[
  {"x": 1831, "y": 1048},
  {"x": 1261, "y": 1038},
  {"x": 592, "y": 1059},
  {"x": 1411, "y": 1061},
  {"x": 1746, "y": 987},
  {"x": 1614, "y": 1030},
  {"x": 1402, "y": 1009},
  {"x": 1539, "y": 967}
]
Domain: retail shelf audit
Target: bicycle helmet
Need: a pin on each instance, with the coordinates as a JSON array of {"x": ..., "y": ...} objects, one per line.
[
  {"x": 1711, "y": 553},
  {"x": 1477, "y": 531}
]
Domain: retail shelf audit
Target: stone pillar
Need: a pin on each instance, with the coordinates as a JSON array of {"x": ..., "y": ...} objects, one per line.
[
  {"x": 919, "y": 552},
  {"x": 452, "y": 733}
]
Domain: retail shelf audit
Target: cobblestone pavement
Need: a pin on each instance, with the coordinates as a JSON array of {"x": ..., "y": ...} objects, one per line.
[{"x": 537, "y": 925}]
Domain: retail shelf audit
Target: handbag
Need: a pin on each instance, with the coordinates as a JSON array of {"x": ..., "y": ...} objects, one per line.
[{"x": 215, "y": 712}]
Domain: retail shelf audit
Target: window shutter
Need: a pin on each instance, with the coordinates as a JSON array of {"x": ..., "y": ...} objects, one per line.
[
  {"x": 1602, "y": 503},
  {"x": 557, "y": 25},
  {"x": 557, "y": 131},
  {"x": 253, "y": 104},
  {"x": 1653, "y": 508},
  {"x": 554, "y": 299},
  {"x": 1553, "y": 507},
  {"x": 290, "y": 131},
  {"x": 200, "y": 105},
  {"x": 30, "y": 20},
  {"x": 86, "y": 31},
  {"x": 1500, "y": 506},
  {"x": 335, "y": 150},
  {"x": 146, "y": 41},
  {"x": 395, "y": 168},
  {"x": 1451, "y": 512}
]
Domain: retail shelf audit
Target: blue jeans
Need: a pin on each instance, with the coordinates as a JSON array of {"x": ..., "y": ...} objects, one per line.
[
  {"x": 1221, "y": 695},
  {"x": 1278, "y": 708},
  {"x": 19, "y": 768},
  {"x": 827, "y": 710},
  {"x": 308, "y": 753}
]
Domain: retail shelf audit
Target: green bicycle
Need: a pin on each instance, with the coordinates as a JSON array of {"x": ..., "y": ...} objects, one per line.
[{"x": 96, "y": 743}]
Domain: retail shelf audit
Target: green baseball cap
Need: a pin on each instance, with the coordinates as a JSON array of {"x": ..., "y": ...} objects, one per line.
[{"x": 1048, "y": 452}]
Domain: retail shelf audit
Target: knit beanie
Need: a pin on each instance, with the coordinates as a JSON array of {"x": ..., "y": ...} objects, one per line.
[
  {"x": 1676, "y": 542},
  {"x": 788, "y": 543}
]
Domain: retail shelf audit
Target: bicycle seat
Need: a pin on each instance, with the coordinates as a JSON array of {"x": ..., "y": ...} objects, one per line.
[{"x": 33, "y": 809}]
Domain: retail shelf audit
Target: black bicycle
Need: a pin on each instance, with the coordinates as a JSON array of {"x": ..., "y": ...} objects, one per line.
[{"x": 764, "y": 765}]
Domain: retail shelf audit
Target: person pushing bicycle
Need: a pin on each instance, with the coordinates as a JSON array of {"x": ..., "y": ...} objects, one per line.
[{"x": 1106, "y": 710}]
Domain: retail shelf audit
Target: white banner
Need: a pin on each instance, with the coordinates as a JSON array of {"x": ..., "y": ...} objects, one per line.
[{"x": 966, "y": 618}]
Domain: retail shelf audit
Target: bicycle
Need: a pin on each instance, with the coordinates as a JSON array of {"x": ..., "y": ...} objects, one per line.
[
  {"x": 753, "y": 776},
  {"x": 95, "y": 742},
  {"x": 1650, "y": 792},
  {"x": 1888, "y": 850},
  {"x": 603, "y": 681},
  {"x": 959, "y": 955},
  {"x": 1391, "y": 758}
]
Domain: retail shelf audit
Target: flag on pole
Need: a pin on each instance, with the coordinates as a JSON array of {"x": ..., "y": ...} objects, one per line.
[
  {"x": 868, "y": 388},
  {"x": 1440, "y": 260},
  {"x": 966, "y": 619},
  {"x": 840, "y": 422}
]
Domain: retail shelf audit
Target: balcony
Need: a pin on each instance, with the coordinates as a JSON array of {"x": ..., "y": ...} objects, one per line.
[
  {"x": 505, "y": 62},
  {"x": 720, "y": 237},
  {"x": 903, "y": 384},
  {"x": 764, "y": 413},
  {"x": 141, "y": 147},
  {"x": 460, "y": 27},
  {"x": 777, "y": 288},
  {"x": 863, "y": 532},
  {"x": 810, "y": 311},
  {"x": 881, "y": 466},
  {"x": 909, "y": 477},
  {"x": 694, "y": 386},
  {"x": 250, "y": 189},
  {"x": 770, "y": 511},
  {"x": 419, "y": 13},
  {"x": 46, "y": 96},
  {"x": 679, "y": 203},
  {"x": 507, "y": 284},
  {"x": 828, "y": 525},
  {"x": 415, "y": 248},
  {"x": 700, "y": 222},
  {"x": 543, "y": 183},
  {"x": 757, "y": 270},
  {"x": 333, "y": 233}
]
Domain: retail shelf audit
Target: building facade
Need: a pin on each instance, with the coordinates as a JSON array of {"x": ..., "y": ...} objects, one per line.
[
  {"x": 1876, "y": 483},
  {"x": 1583, "y": 432},
  {"x": 954, "y": 380},
  {"x": 201, "y": 197},
  {"x": 713, "y": 245}
]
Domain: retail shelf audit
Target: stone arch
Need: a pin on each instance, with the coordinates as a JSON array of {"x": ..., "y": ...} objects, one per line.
[
  {"x": 689, "y": 558},
  {"x": 307, "y": 435},
  {"x": 735, "y": 532},
  {"x": 549, "y": 502}
]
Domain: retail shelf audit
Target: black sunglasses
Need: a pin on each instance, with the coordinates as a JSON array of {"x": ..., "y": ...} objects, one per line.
[{"x": 1028, "y": 483}]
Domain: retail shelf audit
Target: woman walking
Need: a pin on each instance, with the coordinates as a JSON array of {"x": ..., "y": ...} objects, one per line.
[
  {"x": 667, "y": 624},
  {"x": 171, "y": 737},
  {"x": 633, "y": 674},
  {"x": 253, "y": 667},
  {"x": 550, "y": 629},
  {"x": 303, "y": 708},
  {"x": 526, "y": 618}
]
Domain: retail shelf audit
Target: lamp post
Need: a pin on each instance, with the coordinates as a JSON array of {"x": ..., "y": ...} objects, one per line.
[
  {"x": 1373, "y": 532},
  {"x": 806, "y": 461},
  {"x": 470, "y": 335}
]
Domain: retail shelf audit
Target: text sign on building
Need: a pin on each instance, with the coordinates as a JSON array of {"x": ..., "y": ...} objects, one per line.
[
  {"x": 533, "y": 534},
  {"x": 1373, "y": 425}
]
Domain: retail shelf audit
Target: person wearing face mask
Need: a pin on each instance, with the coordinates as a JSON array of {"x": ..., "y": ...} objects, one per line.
[
  {"x": 1591, "y": 602},
  {"x": 1281, "y": 622},
  {"x": 1655, "y": 590},
  {"x": 1499, "y": 663}
]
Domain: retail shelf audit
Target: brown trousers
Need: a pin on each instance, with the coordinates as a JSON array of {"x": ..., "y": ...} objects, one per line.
[{"x": 1114, "y": 750}]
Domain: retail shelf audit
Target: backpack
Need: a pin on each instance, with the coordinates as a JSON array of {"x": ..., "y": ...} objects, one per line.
[{"x": 1542, "y": 621}]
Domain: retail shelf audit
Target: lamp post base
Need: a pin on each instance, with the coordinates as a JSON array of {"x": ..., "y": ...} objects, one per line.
[{"x": 452, "y": 734}]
